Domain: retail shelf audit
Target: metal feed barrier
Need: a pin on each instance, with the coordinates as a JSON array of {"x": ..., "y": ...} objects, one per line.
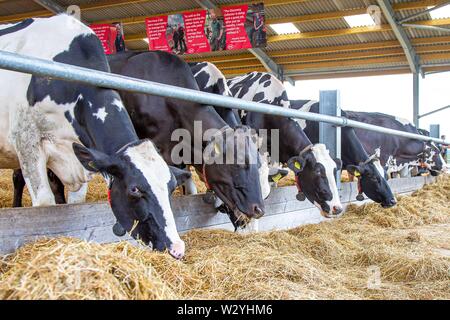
[
  {"x": 21, "y": 63},
  {"x": 94, "y": 222}
]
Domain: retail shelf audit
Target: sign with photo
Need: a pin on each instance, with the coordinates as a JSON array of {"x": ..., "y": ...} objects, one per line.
[
  {"x": 111, "y": 36},
  {"x": 228, "y": 28}
]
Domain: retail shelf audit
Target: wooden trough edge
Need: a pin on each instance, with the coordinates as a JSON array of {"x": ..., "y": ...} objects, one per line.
[{"x": 94, "y": 221}]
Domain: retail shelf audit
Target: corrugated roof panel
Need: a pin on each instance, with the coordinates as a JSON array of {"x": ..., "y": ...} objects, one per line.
[{"x": 18, "y": 6}]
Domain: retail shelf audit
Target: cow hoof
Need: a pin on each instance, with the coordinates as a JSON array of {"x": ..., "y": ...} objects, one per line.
[
  {"x": 118, "y": 230},
  {"x": 209, "y": 197},
  {"x": 300, "y": 196},
  {"x": 360, "y": 197}
]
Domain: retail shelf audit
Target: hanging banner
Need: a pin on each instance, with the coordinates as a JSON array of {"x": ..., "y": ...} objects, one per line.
[
  {"x": 197, "y": 41},
  {"x": 229, "y": 28},
  {"x": 111, "y": 36}
]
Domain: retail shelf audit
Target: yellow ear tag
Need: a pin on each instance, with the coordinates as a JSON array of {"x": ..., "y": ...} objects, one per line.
[
  {"x": 91, "y": 164},
  {"x": 277, "y": 178},
  {"x": 357, "y": 174},
  {"x": 297, "y": 165}
]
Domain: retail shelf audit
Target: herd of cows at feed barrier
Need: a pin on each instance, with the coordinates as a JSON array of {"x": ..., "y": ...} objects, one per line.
[{"x": 56, "y": 134}]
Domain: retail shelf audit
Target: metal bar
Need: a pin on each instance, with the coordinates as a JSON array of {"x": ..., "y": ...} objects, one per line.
[
  {"x": 426, "y": 27},
  {"x": 432, "y": 112},
  {"x": 25, "y": 64},
  {"x": 416, "y": 100},
  {"x": 270, "y": 65},
  {"x": 445, "y": 3},
  {"x": 401, "y": 35},
  {"x": 50, "y": 6},
  {"x": 330, "y": 135}
]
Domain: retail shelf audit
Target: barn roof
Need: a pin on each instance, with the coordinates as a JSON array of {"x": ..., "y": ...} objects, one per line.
[{"x": 326, "y": 45}]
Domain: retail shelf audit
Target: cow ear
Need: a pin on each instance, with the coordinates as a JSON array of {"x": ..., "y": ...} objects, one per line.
[
  {"x": 180, "y": 175},
  {"x": 354, "y": 170},
  {"x": 296, "y": 164},
  {"x": 95, "y": 161},
  {"x": 338, "y": 164}
]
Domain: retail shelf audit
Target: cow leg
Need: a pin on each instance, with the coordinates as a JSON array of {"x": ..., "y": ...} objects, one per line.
[
  {"x": 78, "y": 196},
  {"x": 19, "y": 185},
  {"x": 34, "y": 169},
  {"x": 57, "y": 187}
]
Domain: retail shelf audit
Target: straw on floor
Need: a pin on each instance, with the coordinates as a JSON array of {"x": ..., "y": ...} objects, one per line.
[{"x": 407, "y": 246}]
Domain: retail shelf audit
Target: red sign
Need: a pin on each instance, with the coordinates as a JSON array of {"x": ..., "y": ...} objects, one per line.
[
  {"x": 111, "y": 37},
  {"x": 232, "y": 28},
  {"x": 107, "y": 35},
  {"x": 194, "y": 23},
  {"x": 156, "y": 32},
  {"x": 235, "y": 18}
]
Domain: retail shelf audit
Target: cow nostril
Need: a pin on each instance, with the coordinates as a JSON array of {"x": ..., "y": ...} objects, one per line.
[
  {"x": 177, "y": 250},
  {"x": 337, "y": 210},
  {"x": 257, "y": 211}
]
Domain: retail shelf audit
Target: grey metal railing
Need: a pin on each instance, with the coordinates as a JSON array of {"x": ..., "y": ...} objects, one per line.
[{"x": 25, "y": 64}]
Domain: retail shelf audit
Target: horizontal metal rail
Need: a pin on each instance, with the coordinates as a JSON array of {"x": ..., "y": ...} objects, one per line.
[
  {"x": 433, "y": 112},
  {"x": 25, "y": 64}
]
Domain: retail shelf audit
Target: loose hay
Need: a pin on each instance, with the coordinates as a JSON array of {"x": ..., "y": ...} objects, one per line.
[{"x": 408, "y": 244}]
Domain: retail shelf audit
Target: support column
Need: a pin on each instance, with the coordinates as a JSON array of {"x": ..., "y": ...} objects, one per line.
[
  {"x": 416, "y": 97},
  {"x": 330, "y": 135},
  {"x": 435, "y": 131}
]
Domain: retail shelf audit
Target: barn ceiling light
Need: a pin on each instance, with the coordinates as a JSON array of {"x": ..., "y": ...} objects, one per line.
[
  {"x": 284, "y": 28},
  {"x": 440, "y": 13},
  {"x": 360, "y": 20}
]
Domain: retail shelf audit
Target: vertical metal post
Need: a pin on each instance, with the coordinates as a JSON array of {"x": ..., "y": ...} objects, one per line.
[
  {"x": 435, "y": 131},
  {"x": 416, "y": 108},
  {"x": 329, "y": 134}
]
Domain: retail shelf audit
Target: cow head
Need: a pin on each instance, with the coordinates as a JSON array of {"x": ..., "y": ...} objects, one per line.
[
  {"x": 316, "y": 171},
  {"x": 433, "y": 159},
  {"x": 372, "y": 181},
  {"x": 235, "y": 179},
  {"x": 140, "y": 185}
]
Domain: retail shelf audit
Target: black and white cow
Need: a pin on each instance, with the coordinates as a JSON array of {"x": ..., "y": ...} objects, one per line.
[
  {"x": 75, "y": 130},
  {"x": 237, "y": 185},
  {"x": 370, "y": 173},
  {"x": 398, "y": 155},
  {"x": 315, "y": 175}
]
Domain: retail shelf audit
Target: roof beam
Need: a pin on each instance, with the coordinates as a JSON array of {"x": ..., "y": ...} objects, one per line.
[
  {"x": 422, "y": 4},
  {"x": 428, "y": 10},
  {"x": 117, "y": 3},
  {"x": 300, "y": 36},
  {"x": 436, "y": 50},
  {"x": 401, "y": 35},
  {"x": 296, "y": 19},
  {"x": 50, "y": 6}
]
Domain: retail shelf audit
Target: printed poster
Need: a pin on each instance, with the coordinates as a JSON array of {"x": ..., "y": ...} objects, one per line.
[
  {"x": 228, "y": 28},
  {"x": 111, "y": 36}
]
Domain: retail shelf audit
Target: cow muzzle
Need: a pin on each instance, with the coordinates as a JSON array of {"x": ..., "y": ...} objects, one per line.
[{"x": 177, "y": 249}]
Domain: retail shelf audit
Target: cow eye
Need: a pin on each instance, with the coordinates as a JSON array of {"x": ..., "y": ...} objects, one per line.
[{"x": 135, "y": 192}]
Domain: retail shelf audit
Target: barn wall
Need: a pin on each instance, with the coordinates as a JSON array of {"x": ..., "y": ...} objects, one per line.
[{"x": 94, "y": 221}]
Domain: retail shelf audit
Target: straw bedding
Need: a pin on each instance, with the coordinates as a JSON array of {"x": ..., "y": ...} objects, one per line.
[{"x": 410, "y": 244}]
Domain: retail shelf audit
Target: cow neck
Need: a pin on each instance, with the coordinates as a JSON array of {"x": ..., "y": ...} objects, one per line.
[
  {"x": 353, "y": 151},
  {"x": 210, "y": 120},
  {"x": 293, "y": 140},
  {"x": 113, "y": 134}
]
